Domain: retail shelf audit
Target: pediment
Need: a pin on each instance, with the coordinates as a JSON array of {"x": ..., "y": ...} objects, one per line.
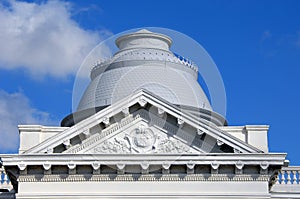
[
  {"x": 130, "y": 122},
  {"x": 139, "y": 136}
]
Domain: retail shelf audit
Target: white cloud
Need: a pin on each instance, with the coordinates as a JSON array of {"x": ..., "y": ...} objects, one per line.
[
  {"x": 43, "y": 38},
  {"x": 15, "y": 109}
]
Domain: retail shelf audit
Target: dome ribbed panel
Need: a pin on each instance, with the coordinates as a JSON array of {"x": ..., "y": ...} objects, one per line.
[{"x": 173, "y": 85}]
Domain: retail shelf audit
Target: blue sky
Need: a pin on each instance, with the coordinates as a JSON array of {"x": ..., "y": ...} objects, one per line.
[{"x": 255, "y": 44}]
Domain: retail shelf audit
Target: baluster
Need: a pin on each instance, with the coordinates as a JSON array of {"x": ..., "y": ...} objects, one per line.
[
  {"x": 297, "y": 174},
  {"x": 277, "y": 179},
  {"x": 282, "y": 177},
  {"x": 288, "y": 177},
  {"x": 5, "y": 179},
  {"x": 1, "y": 176},
  {"x": 294, "y": 177}
]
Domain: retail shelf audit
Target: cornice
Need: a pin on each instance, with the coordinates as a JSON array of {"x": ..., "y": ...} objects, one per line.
[
  {"x": 41, "y": 128},
  {"x": 113, "y": 159}
]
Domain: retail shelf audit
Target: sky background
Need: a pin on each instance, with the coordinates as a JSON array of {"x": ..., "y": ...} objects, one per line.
[{"x": 255, "y": 45}]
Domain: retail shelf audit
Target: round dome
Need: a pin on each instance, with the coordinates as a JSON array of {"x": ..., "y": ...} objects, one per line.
[{"x": 144, "y": 61}]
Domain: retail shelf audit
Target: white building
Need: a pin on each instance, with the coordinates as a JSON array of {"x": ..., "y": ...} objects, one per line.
[{"x": 145, "y": 129}]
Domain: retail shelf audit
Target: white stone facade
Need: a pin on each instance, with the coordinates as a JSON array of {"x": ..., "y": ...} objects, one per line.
[{"x": 146, "y": 144}]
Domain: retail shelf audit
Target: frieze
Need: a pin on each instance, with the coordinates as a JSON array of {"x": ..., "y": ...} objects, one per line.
[
  {"x": 168, "y": 146},
  {"x": 117, "y": 146},
  {"x": 143, "y": 177}
]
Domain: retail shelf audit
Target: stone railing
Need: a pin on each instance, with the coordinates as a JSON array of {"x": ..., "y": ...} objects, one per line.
[
  {"x": 289, "y": 175},
  {"x": 4, "y": 180},
  {"x": 287, "y": 184}
]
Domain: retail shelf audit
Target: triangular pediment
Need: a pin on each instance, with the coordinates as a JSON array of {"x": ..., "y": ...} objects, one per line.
[
  {"x": 118, "y": 126},
  {"x": 136, "y": 134}
]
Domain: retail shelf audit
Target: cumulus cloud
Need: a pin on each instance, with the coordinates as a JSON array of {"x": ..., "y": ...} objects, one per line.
[
  {"x": 43, "y": 38},
  {"x": 15, "y": 109}
]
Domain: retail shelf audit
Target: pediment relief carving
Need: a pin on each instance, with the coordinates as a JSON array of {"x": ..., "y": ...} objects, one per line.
[
  {"x": 142, "y": 139},
  {"x": 141, "y": 132}
]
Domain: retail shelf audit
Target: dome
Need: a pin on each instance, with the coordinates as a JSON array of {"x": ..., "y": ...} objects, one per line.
[{"x": 144, "y": 61}]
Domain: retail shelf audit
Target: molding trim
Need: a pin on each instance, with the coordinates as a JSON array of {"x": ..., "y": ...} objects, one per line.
[{"x": 143, "y": 177}]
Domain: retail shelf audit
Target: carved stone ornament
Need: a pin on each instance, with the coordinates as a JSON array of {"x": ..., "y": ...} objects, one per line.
[
  {"x": 220, "y": 142},
  {"x": 142, "y": 102},
  {"x": 143, "y": 139},
  {"x": 86, "y": 132},
  {"x": 125, "y": 111},
  {"x": 66, "y": 142},
  {"x": 71, "y": 165},
  {"x": 190, "y": 165},
  {"x": 180, "y": 122},
  {"x": 22, "y": 166},
  {"x": 239, "y": 165},
  {"x": 169, "y": 146},
  {"x": 106, "y": 121},
  {"x": 96, "y": 165},
  {"x": 46, "y": 166},
  {"x": 200, "y": 132},
  {"x": 121, "y": 165},
  {"x": 236, "y": 150},
  {"x": 160, "y": 111},
  {"x": 215, "y": 165},
  {"x": 145, "y": 165},
  {"x": 49, "y": 150},
  {"x": 115, "y": 146},
  {"x": 166, "y": 165},
  {"x": 264, "y": 165}
]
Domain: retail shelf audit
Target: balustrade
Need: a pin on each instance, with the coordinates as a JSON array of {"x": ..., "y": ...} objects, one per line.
[
  {"x": 4, "y": 180},
  {"x": 289, "y": 175}
]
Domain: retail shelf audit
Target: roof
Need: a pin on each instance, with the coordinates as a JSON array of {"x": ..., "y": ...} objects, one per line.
[
  {"x": 129, "y": 105},
  {"x": 144, "y": 62}
]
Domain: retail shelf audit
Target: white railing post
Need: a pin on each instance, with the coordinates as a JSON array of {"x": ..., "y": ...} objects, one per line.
[
  {"x": 5, "y": 178},
  {"x": 277, "y": 178},
  {"x": 1, "y": 176},
  {"x": 282, "y": 181},
  {"x": 288, "y": 181},
  {"x": 296, "y": 177}
]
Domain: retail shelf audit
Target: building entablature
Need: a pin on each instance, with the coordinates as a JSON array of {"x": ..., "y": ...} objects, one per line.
[
  {"x": 238, "y": 162},
  {"x": 143, "y": 167}
]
